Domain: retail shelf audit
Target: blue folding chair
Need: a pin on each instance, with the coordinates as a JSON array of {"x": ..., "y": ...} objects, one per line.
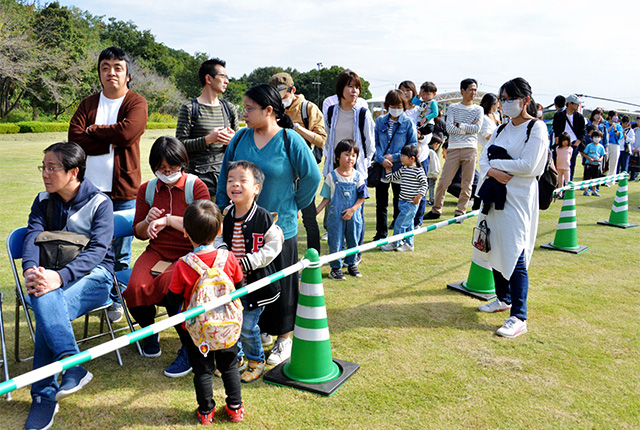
[{"x": 14, "y": 250}]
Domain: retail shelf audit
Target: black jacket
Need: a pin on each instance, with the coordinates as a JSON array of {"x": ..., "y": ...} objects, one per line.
[{"x": 560, "y": 122}]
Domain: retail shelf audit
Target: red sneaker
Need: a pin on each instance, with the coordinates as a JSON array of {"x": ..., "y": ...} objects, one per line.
[
  {"x": 206, "y": 419},
  {"x": 234, "y": 416}
]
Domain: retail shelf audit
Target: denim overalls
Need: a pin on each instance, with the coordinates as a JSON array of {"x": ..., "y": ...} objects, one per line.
[{"x": 344, "y": 197}]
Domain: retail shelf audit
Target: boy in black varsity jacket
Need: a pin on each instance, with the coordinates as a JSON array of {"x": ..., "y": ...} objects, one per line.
[{"x": 250, "y": 232}]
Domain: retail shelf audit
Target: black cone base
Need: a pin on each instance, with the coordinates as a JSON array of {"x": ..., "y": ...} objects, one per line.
[
  {"x": 277, "y": 377},
  {"x": 457, "y": 286},
  {"x": 607, "y": 223},
  {"x": 579, "y": 250}
]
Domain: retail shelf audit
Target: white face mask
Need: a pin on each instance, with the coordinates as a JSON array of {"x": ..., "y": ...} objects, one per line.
[
  {"x": 168, "y": 179},
  {"x": 540, "y": 113},
  {"x": 511, "y": 108},
  {"x": 596, "y": 140},
  {"x": 395, "y": 112},
  {"x": 287, "y": 102}
]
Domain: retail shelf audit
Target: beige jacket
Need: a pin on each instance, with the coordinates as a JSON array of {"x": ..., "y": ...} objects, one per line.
[{"x": 316, "y": 120}]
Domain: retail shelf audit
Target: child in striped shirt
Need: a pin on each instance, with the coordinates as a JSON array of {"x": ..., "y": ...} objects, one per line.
[{"x": 413, "y": 187}]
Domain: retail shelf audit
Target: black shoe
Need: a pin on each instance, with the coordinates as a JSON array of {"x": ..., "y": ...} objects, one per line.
[
  {"x": 336, "y": 275},
  {"x": 431, "y": 215},
  {"x": 353, "y": 271},
  {"x": 151, "y": 346},
  {"x": 379, "y": 236}
]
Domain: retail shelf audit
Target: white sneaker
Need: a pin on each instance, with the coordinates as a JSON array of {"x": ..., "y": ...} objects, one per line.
[
  {"x": 512, "y": 327},
  {"x": 325, "y": 237},
  {"x": 115, "y": 312},
  {"x": 267, "y": 339},
  {"x": 388, "y": 247},
  {"x": 405, "y": 248},
  {"x": 281, "y": 351},
  {"x": 494, "y": 306}
]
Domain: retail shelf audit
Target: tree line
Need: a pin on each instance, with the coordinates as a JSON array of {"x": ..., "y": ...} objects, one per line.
[{"x": 48, "y": 60}]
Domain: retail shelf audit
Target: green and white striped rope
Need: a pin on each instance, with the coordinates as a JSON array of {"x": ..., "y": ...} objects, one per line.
[
  {"x": 120, "y": 342},
  {"x": 591, "y": 182}
]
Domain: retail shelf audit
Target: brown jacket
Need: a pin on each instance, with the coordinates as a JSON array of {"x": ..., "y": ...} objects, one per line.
[{"x": 123, "y": 135}]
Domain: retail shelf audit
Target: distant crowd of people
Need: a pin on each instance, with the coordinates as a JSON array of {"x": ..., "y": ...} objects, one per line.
[{"x": 260, "y": 177}]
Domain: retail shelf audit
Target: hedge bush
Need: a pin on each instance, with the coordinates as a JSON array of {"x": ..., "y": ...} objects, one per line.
[
  {"x": 160, "y": 125},
  {"x": 9, "y": 128},
  {"x": 42, "y": 127}
]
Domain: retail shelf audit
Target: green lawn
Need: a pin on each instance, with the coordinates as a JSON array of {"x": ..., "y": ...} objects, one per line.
[{"x": 428, "y": 359}]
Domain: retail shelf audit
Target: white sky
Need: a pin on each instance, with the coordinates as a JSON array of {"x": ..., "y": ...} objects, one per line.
[{"x": 558, "y": 46}]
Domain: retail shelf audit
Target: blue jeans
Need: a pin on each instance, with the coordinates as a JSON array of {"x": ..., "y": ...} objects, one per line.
[
  {"x": 422, "y": 206},
  {"x": 623, "y": 162},
  {"x": 54, "y": 312},
  {"x": 514, "y": 291},
  {"x": 122, "y": 245},
  {"x": 250, "y": 343},
  {"x": 404, "y": 222}
]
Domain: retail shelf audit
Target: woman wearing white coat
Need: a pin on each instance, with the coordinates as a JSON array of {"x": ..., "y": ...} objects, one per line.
[{"x": 513, "y": 230}]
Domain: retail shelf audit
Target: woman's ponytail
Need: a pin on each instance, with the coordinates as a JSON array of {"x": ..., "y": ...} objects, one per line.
[{"x": 266, "y": 95}]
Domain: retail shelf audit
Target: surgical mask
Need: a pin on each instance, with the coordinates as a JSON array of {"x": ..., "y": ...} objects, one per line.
[
  {"x": 615, "y": 119},
  {"x": 287, "y": 102},
  {"x": 596, "y": 140},
  {"x": 540, "y": 113},
  {"x": 511, "y": 108},
  {"x": 416, "y": 100},
  {"x": 168, "y": 179},
  {"x": 395, "y": 112}
]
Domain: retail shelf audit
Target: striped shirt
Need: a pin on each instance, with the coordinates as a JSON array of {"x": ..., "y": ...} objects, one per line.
[
  {"x": 466, "y": 135},
  {"x": 237, "y": 241},
  {"x": 412, "y": 181},
  {"x": 209, "y": 117}
]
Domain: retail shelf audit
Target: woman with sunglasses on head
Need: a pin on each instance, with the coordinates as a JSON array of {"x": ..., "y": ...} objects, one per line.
[
  {"x": 291, "y": 180},
  {"x": 524, "y": 144},
  {"x": 160, "y": 205}
]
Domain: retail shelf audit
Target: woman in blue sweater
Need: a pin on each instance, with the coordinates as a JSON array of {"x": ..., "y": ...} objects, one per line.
[{"x": 291, "y": 182}]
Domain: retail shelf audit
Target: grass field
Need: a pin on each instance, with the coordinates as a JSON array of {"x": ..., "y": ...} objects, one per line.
[{"x": 428, "y": 359}]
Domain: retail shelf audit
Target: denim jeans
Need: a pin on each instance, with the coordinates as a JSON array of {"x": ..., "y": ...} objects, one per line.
[
  {"x": 122, "y": 245},
  {"x": 54, "y": 312},
  {"x": 514, "y": 291},
  {"x": 250, "y": 343},
  {"x": 422, "y": 206},
  {"x": 404, "y": 222},
  {"x": 623, "y": 162}
]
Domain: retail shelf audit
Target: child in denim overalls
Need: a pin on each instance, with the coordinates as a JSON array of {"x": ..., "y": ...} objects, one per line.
[{"x": 344, "y": 190}]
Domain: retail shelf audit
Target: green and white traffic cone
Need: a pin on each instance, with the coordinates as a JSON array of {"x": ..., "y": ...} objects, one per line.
[
  {"x": 479, "y": 283},
  {"x": 566, "y": 235},
  {"x": 620, "y": 211},
  {"x": 311, "y": 367}
]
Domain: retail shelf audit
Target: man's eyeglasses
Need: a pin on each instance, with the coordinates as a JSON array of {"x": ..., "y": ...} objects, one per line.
[
  {"x": 224, "y": 76},
  {"x": 49, "y": 169}
]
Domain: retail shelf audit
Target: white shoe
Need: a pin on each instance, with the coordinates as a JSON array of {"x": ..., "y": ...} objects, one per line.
[
  {"x": 267, "y": 339},
  {"x": 494, "y": 306},
  {"x": 325, "y": 237},
  {"x": 388, "y": 247},
  {"x": 281, "y": 351},
  {"x": 114, "y": 312},
  {"x": 405, "y": 248},
  {"x": 512, "y": 327}
]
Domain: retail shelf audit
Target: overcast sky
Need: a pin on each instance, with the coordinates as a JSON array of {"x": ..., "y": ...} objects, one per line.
[{"x": 559, "y": 47}]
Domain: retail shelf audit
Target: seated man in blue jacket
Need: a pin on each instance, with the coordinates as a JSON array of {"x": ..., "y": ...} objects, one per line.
[{"x": 60, "y": 296}]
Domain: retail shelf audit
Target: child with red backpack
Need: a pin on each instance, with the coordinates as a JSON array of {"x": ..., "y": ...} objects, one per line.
[{"x": 193, "y": 276}]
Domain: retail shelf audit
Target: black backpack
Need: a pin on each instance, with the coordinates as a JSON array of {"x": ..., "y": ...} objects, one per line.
[
  {"x": 304, "y": 111},
  {"x": 362, "y": 113},
  {"x": 226, "y": 107},
  {"x": 548, "y": 181}
]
